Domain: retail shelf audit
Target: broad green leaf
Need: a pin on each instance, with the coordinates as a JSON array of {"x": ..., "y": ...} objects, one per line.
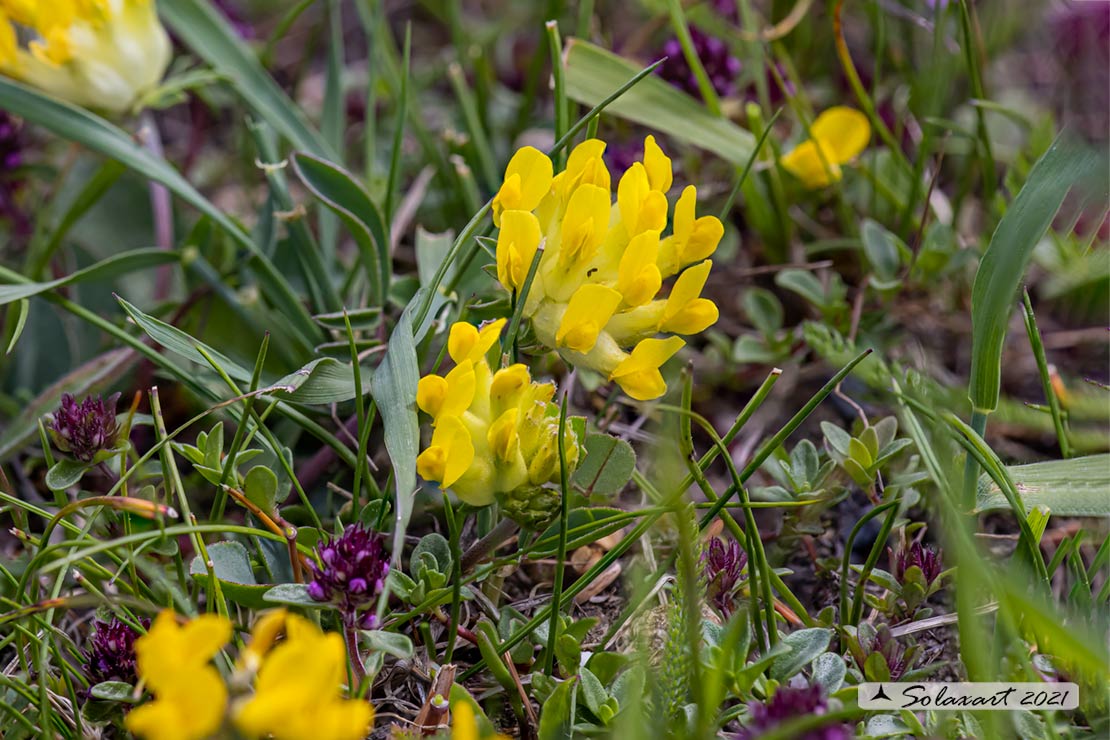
[
  {"x": 391, "y": 643},
  {"x": 113, "y": 691},
  {"x": 119, "y": 264},
  {"x": 593, "y": 74},
  {"x": 232, "y": 567},
  {"x": 829, "y": 670},
  {"x": 98, "y": 372},
  {"x": 805, "y": 645},
  {"x": 209, "y": 35},
  {"x": 293, "y": 594},
  {"x": 437, "y": 546},
  {"x": 557, "y": 717},
  {"x": 394, "y": 389},
  {"x": 345, "y": 196},
  {"x": 608, "y": 465},
  {"x": 260, "y": 485},
  {"x": 1076, "y": 487},
  {"x": 883, "y": 254},
  {"x": 1065, "y": 164},
  {"x": 65, "y": 473}
]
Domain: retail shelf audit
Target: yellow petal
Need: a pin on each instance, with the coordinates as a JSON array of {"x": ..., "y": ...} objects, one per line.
[
  {"x": 638, "y": 375},
  {"x": 461, "y": 386},
  {"x": 842, "y": 131},
  {"x": 584, "y": 167},
  {"x": 638, "y": 277},
  {"x": 341, "y": 719},
  {"x": 641, "y": 207},
  {"x": 502, "y": 436},
  {"x": 449, "y": 455},
  {"x": 466, "y": 342},
  {"x": 585, "y": 225},
  {"x": 685, "y": 312},
  {"x": 464, "y": 726},
  {"x": 516, "y": 247},
  {"x": 806, "y": 163},
  {"x": 431, "y": 392},
  {"x": 527, "y": 180},
  {"x": 695, "y": 238},
  {"x": 590, "y": 308},
  {"x": 507, "y": 383},
  {"x": 658, "y": 166}
]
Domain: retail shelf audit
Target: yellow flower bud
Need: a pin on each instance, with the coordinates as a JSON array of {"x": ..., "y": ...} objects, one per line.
[
  {"x": 658, "y": 166},
  {"x": 103, "y": 54},
  {"x": 502, "y": 436}
]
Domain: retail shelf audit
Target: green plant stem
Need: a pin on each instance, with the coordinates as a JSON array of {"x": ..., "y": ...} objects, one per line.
[
  {"x": 971, "y": 466},
  {"x": 1046, "y": 380},
  {"x": 453, "y": 534},
  {"x": 561, "y": 556}
]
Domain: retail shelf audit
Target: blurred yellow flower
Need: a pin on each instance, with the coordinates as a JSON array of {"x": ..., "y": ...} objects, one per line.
[
  {"x": 493, "y": 432},
  {"x": 464, "y": 723},
  {"x": 299, "y": 689},
  {"x": 836, "y": 137},
  {"x": 102, "y": 54},
  {"x": 174, "y": 662},
  {"x": 596, "y": 295}
]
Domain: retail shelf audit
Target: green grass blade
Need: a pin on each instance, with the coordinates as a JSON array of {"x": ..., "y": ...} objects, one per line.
[
  {"x": 119, "y": 264},
  {"x": 207, "y": 33},
  {"x": 1074, "y": 487},
  {"x": 592, "y": 73},
  {"x": 1065, "y": 164}
]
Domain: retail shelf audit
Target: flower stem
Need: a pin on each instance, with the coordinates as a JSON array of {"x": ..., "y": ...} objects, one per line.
[{"x": 358, "y": 670}]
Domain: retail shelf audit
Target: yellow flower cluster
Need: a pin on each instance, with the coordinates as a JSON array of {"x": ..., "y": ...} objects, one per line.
[
  {"x": 102, "y": 54},
  {"x": 298, "y": 688},
  {"x": 595, "y": 297},
  {"x": 836, "y": 137},
  {"x": 174, "y": 662},
  {"x": 493, "y": 432}
]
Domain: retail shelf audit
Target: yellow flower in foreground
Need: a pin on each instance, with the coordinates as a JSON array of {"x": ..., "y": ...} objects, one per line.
[
  {"x": 299, "y": 690},
  {"x": 596, "y": 297},
  {"x": 464, "y": 723},
  {"x": 174, "y": 662},
  {"x": 102, "y": 54},
  {"x": 493, "y": 432},
  {"x": 837, "y": 136}
]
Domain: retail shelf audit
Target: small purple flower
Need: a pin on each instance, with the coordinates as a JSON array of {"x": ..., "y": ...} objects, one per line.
[
  {"x": 84, "y": 429},
  {"x": 111, "y": 652},
  {"x": 723, "y": 566},
  {"x": 925, "y": 557},
  {"x": 720, "y": 66},
  {"x": 352, "y": 574},
  {"x": 897, "y": 658},
  {"x": 789, "y": 703}
]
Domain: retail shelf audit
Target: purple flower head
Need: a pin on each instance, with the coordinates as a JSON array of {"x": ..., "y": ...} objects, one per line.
[
  {"x": 111, "y": 652},
  {"x": 723, "y": 566},
  {"x": 84, "y": 429},
  {"x": 720, "y": 66},
  {"x": 925, "y": 557},
  {"x": 726, "y": 9},
  {"x": 881, "y": 641},
  {"x": 789, "y": 703},
  {"x": 11, "y": 181},
  {"x": 352, "y": 574}
]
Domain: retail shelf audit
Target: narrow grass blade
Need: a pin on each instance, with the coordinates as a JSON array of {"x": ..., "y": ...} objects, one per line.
[
  {"x": 209, "y": 34},
  {"x": 592, "y": 73}
]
